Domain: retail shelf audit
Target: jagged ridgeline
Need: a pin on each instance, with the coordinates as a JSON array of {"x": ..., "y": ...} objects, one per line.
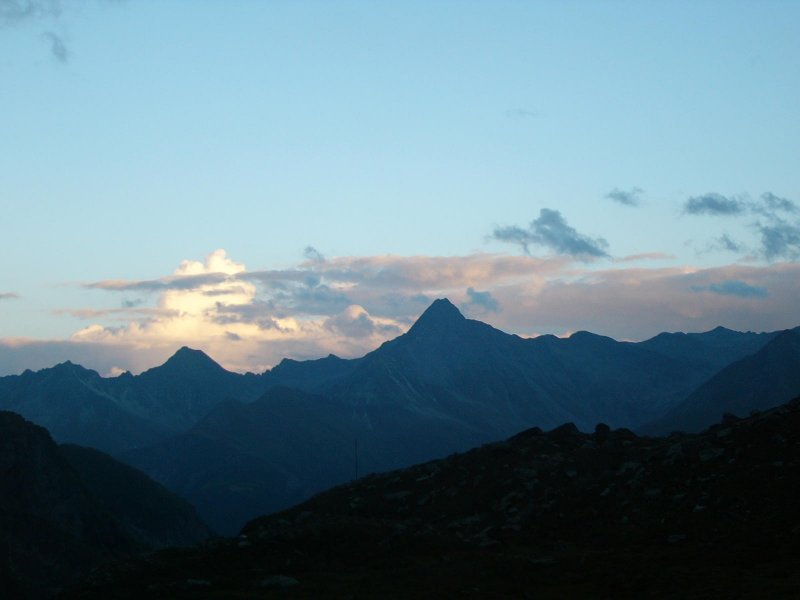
[{"x": 238, "y": 446}]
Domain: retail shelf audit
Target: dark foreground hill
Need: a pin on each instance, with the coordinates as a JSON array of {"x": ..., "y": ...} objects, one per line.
[
  {"x": 65, "y": 510},
  {"x": 244, "y": 460},
  {"x": 147, "y": 512},
  {"x": 543, "y": 515}
]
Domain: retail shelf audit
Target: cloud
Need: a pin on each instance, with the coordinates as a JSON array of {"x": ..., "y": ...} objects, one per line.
[
  {"x": 780, "y": 239},
  {"x": 9, "y": 296},
  {"x": 16, "y": 355},
  {"x": 57, "y": 46},
  {"x": 724, "y": 242},
  {"x": 645, "y": 256},
  {"x": 631, "y": 197},
  {"x": 734, "y": 287},
  {"x": 482, "y": 300},
  {"x": 638, "y": 303},
  {"x": 17, "y": 11},
  {"x": 714, "y": 204},
  {"x": 356, "y": 322},
  {"x": 313, "y": 297},
  {"x": 116, "y": 314},
  {"x": 779, "y": 234},
  {"x": 191, "y": 275},
  {"x": 771, "y": 202},
  {"x": 312, "y": 254},
  {"x": 551, "y": 231}
]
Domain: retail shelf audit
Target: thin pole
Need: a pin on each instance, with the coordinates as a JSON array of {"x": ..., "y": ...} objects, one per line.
[{"x": 355, "y": 455}]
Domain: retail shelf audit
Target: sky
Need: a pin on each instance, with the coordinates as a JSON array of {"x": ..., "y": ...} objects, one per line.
[{"x": 269, "y": 179}]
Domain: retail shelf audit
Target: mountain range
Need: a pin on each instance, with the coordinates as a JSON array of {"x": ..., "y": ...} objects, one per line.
[{"x": 241, "y": 445}]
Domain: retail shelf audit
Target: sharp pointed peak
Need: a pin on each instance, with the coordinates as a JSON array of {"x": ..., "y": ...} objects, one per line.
[
  {"x": 186, "y": 351},
  {"x": 191, "y": 358},
  {"x": 440, "y": 314},
  {"x": 443, "y": 307}
]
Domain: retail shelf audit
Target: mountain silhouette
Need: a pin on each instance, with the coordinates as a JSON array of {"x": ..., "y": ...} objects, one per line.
[
  {"x": 187, "y": 360},
  {"x": 77, "y": 405},
  {"x": 765, "y": 379},
  {"x": 440, "y": 319},
  {"x": 447, "y": 385},
  {"x": 115, "y": 414},
  {"x": 716, "y": 348}
]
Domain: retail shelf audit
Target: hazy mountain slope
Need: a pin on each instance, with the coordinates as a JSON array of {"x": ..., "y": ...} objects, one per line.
[
  {"x": 545, "y": 515},
  {"x": 76, "y": 405},
  {"x": 226, "y": 485},
  {"x": 243, "y": 460},
  {"x": 149, "y": 513},
  {"x": 767, "y": 378},
  {"x": 615, "y": 382},
  {"x": 713, "y": 349},
  {"x": 114, "y": 414},
  {"x": 309, "y": 375}
]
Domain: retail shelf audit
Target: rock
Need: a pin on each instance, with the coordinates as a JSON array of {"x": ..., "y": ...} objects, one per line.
[{"x": 278, "y": 582}]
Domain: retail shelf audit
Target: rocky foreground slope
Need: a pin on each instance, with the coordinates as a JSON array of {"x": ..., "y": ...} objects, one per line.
[{"x": 542, "y": 515}]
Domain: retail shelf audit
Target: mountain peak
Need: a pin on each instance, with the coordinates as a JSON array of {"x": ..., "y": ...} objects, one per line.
[
  {"x": 720, "y": 331},
  {"x": 189, "y": 358},
  {"x": 70, "y": 367},
  {"x": 440, "y": 315}
]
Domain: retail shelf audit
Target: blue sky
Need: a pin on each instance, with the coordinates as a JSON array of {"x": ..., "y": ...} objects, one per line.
[{"x": 522, "y": 150}]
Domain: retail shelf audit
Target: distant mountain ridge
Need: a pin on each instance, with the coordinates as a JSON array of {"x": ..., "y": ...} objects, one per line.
[
  {"x": 118, "y": 413},
  {"x": 760, "y": 381}
]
